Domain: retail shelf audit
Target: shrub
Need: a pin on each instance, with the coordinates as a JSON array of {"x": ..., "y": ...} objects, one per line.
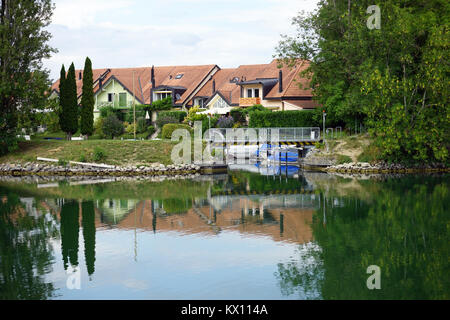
[
  {"x": 179, "y": 115},
  {"x": 112, "y": 127},
  {"x": 51, "y": 121},
  {"x": 141, "y": 125},
  {"x": 238, "y": 115},
  {"x": 141, "y": 109},
  {"x": 99, "y": 154},
  {"x": 262, "y": 119},
  {"x": 341, "y": 158},
  {"x": 108, "y": 110},
  {"x": 164, "y": 104},
  {"x": 169, "y": 128},
  {"x": 98, "y": 127},
  {"x": 225, "y": 122},
  {"x": 82, "y": 158},
  {"x": 163, "y": 120},
  {"x": 63, "y": 162}
]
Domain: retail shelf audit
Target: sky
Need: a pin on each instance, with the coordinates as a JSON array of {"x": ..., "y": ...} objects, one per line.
[{"x": 137, "y": 33}]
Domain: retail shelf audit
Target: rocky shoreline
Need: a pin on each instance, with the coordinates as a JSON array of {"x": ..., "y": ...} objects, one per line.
[
  {"x": 40, "y": 169},
  {"x": 382, "y": 167}
]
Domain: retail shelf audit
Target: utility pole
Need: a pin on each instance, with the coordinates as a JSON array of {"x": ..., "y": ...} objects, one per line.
[
  {"x": 324, "y": 115},
  {"x": 134, "y": 108}
]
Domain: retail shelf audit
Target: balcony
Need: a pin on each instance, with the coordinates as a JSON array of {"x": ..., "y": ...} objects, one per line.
[{"x": 248, "y": 102}]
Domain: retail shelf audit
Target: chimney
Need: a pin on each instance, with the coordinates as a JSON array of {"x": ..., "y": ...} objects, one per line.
[
  {"x": 153, "y": 76},
  {"x": 214, "y": 86},
  {"x": 280, "y": 81}
]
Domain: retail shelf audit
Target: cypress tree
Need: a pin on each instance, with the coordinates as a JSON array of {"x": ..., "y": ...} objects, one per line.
[
  {"x": 62, "y": 100},
  {"x": 87, "y": 100},
  {"x": 71, "y": 110}
]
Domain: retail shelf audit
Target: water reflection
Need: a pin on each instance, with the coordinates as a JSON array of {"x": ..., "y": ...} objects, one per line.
[
  {"x": 326, "y": 231},
  {"x": 402, "y": 227},
  {"x": 26, "y": 255}
]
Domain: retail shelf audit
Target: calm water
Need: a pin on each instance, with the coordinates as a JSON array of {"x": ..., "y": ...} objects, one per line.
[{"x": 237, "y": 236}]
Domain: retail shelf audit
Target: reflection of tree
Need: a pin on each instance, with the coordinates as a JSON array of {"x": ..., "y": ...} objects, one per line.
[
  {"x": 69, "y": 232},
  {"x": 88, "y": 223},
  {"x": 25, "y": 253},
  {"x": 302, "y": 277},
  {"x": 404, "y": 231}
]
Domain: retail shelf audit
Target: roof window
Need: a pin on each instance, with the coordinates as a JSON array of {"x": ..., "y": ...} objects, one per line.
[{"x": 179, "y": 76}]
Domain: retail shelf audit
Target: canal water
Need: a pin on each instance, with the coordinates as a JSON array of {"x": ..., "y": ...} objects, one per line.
[{"x": 241, "y": 235}]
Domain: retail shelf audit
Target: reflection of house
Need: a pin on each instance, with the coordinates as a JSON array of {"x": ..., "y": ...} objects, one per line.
[
  {"x": 281, "y": 219},
  {"x": 114, "y": 210}
]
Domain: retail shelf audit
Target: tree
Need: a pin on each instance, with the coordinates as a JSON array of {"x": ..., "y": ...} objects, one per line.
[
  {"x": 62, "y": 98},
  {"x": 23, "y": 45},
  {"x": 394, "y": 78},
  {"x": 87, "y": 100},
  {"x": 69, "y": 104}
]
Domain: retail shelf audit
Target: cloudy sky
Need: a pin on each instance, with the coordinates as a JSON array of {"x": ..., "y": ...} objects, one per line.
[{"x": 135, "y": 33}]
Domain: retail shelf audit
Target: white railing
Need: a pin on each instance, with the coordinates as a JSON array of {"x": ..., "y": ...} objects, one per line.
[{"x": 263, "y": 134}]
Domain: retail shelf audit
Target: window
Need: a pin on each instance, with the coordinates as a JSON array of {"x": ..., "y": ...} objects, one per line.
[
  {"x": 122, "y": 99},
  {"x": 256, "y": 93},
  {"x": 162, "y": 95},
  {"x": 110, "y": 97},
  {"x": 179, "y": 76},
  {"x": 220, "y": 103},
  {"x": 249, "y": 93}
]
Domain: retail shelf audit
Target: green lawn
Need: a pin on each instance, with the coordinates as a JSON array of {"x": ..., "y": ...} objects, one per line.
[{"x": 117, "y": 152}]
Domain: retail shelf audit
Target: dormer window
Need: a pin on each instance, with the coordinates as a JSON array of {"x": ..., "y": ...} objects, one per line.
[{"x": 179, "y": 76}]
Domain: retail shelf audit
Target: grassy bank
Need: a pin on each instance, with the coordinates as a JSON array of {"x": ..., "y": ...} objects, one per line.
[
  {"x": 355, "y": 148},
  {"x": 115, "y": 152}
]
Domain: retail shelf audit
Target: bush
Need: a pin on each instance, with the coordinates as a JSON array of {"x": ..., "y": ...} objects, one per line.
[
  {"x": 163, "y": 120},
  {"x": 141, "y": 125},
  {"x": 98, "y": 127},
  {"x": 164, "y": 104},
  {"x": 63, "y": 162},
  {"x": 82, "y": 158},
  {"x": 99, "y": 154},
  {"x": 238, "y": 115},
  {"x": 341, "y": 158},
  {"x": 169, "y": 128},
  {"x": 109, "y": 110},
  {"x": 179, "y": 115},
  {"x": 112, "y": 127},
  {"x": 141, "y": 109},
  {"x": 262, "y": 119},
  {"x": 225, "y": 122}
]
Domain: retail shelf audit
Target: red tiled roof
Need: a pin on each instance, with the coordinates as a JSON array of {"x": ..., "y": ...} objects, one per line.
[
  {"x": 192, "y": 76},
  {"x": 291, "y": 80}
]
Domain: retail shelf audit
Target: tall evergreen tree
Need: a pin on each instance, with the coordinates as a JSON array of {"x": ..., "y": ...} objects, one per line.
[
  {"x": 70, "y": 110},
  {"x": 87, "y": 100},
  {"x": 62, "y": 100},
  {"x": 23, "y": 45}
]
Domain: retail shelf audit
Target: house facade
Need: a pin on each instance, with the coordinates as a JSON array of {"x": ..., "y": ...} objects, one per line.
[{"x": 207, "y": 86}]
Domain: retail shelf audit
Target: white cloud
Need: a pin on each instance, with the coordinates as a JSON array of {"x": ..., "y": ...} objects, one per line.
[{"x": 126, "y": 33}]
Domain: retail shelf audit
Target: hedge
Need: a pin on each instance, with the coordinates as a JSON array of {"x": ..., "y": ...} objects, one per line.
[
  {"x": 169, "y": 128},
  {"x": 180, "y": 115},
  {"x": 286, "y": 119}
]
